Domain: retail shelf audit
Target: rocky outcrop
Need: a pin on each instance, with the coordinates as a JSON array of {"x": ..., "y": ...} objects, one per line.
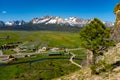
[
  {"x": 110, "y": 59},
  {"x": 115, "y": 34},
  {"x": 112, "y": 56}
]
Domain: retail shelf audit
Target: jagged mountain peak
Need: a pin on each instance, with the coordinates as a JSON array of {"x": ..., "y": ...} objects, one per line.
[
  {"x": 72, "y": 21},
  {"x": 15, "y": 23},
  {"x": 57, "y": 20},
  {"x": 2, "y": 23}
]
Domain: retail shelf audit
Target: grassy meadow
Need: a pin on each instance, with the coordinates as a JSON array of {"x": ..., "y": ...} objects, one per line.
[
  {"x": 51, "y": 39},
  {"x": 45, "y": 70}
]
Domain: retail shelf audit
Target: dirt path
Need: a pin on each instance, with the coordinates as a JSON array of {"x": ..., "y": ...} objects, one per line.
[{"x": 71, "y": 60}]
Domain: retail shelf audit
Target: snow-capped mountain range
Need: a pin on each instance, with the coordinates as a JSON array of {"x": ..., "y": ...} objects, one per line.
[
  {"x": 2, "y": 23},
  {"x": 46, "y": 20},
  {"x": 72, "y": 21},
  {"x": 12, "y": 23},
  {"x": 15, "y": 23}
]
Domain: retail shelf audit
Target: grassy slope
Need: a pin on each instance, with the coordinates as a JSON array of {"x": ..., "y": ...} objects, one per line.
[
  {"x": 51, "y": 38},
  {"x": 46, "y": 70}
]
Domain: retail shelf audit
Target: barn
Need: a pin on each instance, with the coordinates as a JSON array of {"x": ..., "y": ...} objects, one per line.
[{"x": 54, "y": 53}]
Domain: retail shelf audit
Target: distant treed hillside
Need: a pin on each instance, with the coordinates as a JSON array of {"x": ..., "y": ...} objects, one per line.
[{"x": 42, "y": 27}]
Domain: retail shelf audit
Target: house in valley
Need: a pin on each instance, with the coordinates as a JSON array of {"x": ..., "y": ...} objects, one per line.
[{"x": 54, "y": 53}]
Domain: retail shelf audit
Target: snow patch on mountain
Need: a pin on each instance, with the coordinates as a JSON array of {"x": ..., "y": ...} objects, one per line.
[
  {"x": 2, "y": 24},
  {"x": 15, "y": 23},
  {"x": 72, "y": 21},
  {"x": 46, "y": 20}
]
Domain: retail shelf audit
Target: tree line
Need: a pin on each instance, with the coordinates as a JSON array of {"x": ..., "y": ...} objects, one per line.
[{"x": 42, "y": 27}]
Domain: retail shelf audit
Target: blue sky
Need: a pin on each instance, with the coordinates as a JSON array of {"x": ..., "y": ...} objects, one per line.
[{"x": 28, "y": 9}]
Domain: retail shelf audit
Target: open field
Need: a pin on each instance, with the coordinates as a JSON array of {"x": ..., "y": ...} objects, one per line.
[
  {"x": 40, "y": 70},
  {"x": 45, "y": 70},
  {"x": 51, "y": 39}
]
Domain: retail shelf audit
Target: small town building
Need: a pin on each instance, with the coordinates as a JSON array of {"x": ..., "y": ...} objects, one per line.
[
  {"x": 44, "y": 48},
  {"x": 24, "y": 48},
  {"x": 54, "y": 49},
  {"x": 1, "y": 53},
  {"x": 12, "y": 59},
  {"x": 54, "y": 53}
]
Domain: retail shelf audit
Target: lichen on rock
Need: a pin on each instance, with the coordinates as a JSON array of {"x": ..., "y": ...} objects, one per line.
[
  {"x": 117, "y": 7},
  {"x": 115, "y": 33}
]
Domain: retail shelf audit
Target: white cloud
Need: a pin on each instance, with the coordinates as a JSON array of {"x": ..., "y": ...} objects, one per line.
[{"x": 4, "y": 12}]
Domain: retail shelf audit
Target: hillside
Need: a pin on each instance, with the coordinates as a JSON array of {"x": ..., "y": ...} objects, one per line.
[{"x": 110, "y": 61}]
